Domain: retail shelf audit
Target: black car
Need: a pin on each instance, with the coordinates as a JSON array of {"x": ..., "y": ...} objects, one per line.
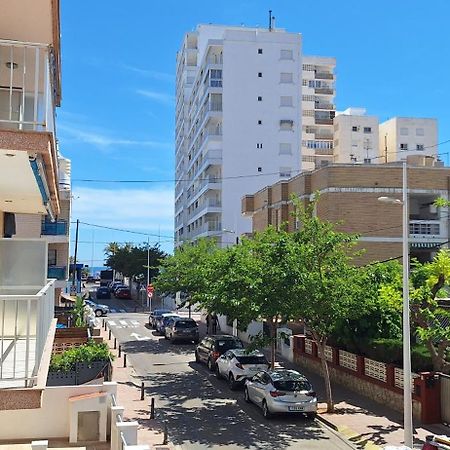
[
  {"x": 103, "y": 292},
  {"x": 211, "y": 347},
  {"x": 155, "y": 315},
  {"x": 181, "y": 329}
]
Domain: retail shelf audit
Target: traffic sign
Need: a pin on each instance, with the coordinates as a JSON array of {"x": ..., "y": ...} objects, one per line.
[
  {"x": 149, "y": 294},
  {"x": 150, "y": 289}
]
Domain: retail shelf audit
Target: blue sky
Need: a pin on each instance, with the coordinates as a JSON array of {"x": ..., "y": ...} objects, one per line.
[{"x": 117, "y": 114}]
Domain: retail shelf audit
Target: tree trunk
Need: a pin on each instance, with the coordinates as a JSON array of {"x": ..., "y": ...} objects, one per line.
[
  {"x": 326, "y": 375},
  {"x": 438, "y": 361},
  {"x": 272, "y": 342}
]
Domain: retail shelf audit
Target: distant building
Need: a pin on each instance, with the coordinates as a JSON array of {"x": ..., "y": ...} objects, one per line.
[{"x": 349, "y": 196}]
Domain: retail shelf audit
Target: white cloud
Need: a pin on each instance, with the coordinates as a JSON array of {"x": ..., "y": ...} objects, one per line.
[
  {"x": 155, "y": 74},
  {"x": 160, "y": 97},
  {"x": 144, "y": 210},
  {"x": 103, "y": 139}
]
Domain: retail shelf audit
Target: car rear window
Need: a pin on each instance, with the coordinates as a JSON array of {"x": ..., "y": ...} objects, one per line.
[
  {"x": 291, "y": 385},
  {"x": 185, "y": 324},
  {"x": 252, "y": 359},
  {"x": 228, "y": 343}
]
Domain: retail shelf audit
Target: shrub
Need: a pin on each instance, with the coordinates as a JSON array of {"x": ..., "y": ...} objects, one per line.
[{"x": 86, "y": 353}]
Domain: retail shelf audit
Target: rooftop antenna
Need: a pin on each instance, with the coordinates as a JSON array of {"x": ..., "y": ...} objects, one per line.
[{"x": 270, "y": 20}]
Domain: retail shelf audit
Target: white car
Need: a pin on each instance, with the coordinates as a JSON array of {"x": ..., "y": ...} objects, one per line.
[
  {"x": 237, "y": 365},
  {"x": 281, "y": 391}
]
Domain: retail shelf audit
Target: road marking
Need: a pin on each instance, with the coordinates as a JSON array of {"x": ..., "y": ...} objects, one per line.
[
  {"x": 123, "y": 323},
  {"x": 122, "y": 310},
  {"x": 112, "y": 310},
  {"x": 139, "y": 337},
  {"x": 111, "y": 323},
  {"x": 134, "y": 322}
]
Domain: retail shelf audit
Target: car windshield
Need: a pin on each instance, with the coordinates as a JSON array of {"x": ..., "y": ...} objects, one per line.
[
  {"x": 252, "y": 359},
  {"x": 160, "y": 312},
  {"x": 185, "y": 324},
  {"x": 291, "y": 385},
  {"x": 229, "y": 343},
  {"x": 166, "y": 319}
]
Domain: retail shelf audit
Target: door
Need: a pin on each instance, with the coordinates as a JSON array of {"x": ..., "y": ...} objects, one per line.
[{"x": 88, "y": 426}]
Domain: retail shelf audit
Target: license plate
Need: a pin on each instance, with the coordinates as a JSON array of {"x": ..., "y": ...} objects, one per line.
[{"x": 295, "y": 408}]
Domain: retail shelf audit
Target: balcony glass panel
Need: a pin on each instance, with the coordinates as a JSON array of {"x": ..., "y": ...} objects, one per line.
[
  {"x": 57, "y": 228},
  {"x": 56, "y": 272}
]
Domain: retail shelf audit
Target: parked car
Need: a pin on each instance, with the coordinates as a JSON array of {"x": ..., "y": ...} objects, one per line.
[
  {"x": 119, "y": 286},
  {"x": 99, "y": 309},
  {"x": 211, "y": 347},
  {"x": 114, "y": 284},
  {"x": 155, "y": 315},
  {"x": 238, "y": 365},
  {"x": 123, "y": 293},
  {"x": 102, "y": 292},
  {"x": 161, "y": 322},
  {"x": 281, "y": 391},
  {"x": 181, "y": 329}
]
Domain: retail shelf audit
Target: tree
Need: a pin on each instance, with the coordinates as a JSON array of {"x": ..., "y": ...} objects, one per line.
[
  {"x": 427, "y": 283},
  {"x": 253, "y": 281},
  {"x": 131, "y": 260},
  {"x": 328, "y": 289}
]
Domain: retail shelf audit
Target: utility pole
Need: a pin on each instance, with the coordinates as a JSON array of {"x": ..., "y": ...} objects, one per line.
[
  {"x": 148, "y": 271},
  {"x": 74, "y": 273},
  {"x": 385, "y": 149}
]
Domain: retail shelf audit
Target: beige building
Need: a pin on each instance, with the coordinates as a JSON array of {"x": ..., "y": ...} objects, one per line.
[
  {"x": 405, "y": 136},
  {"x": 318, "y": 111},
  {"x": 356, "y": 137},
  {"x": 349, "y": 195}
]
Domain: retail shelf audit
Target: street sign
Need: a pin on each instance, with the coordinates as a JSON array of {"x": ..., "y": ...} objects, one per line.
[
  {"x": 150, "y": 289},
  {"x": 149, "y": 294}
]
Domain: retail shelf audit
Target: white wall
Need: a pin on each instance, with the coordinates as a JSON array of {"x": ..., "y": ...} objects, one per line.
[{"x": 52, "y": 419}]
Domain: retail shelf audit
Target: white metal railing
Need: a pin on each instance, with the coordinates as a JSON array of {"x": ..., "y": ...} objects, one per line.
[
  {"x": 24, "y": 325},
  {"x": 425, "y": 227},
  {"x": 27, "y": 86}
]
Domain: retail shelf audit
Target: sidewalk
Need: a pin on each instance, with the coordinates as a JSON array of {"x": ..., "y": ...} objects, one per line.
[
  {"x": 366, "y": 423},
  {"x": 150, "y": 431}
]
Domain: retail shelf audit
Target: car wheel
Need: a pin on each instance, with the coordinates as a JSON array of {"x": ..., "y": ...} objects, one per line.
[
  {"x": 210, "y": 365},
  {"x": 98, "y": 312},
  {"x": 197, "y": 358},
  {"x": 218, "y": 374},
  {"x": 232, "y": 382},
  {"x": 246, "y": 396},
  {"x": 265, "y": 410}
]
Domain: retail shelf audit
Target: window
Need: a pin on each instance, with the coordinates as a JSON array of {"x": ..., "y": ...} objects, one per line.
[
  {"x": 404, "y": 131},
  {"x": 285, "y": 148},
  {"x": 259, "y": 122},
  {"x": 52, "y": 256},
  {"x": 260, "y": 50},
  {"x": 259, "y": 146},
  {"x": 259, "y": 169},
  {"x": 259, "y": 74},
  {"x": 419, "y": 147},
  {"x": 403, "y": 147},
  {"x": 286, "y": 77},
  {"x": 354, "y": 128},
  {"x": 286, "y": 54},
  {"x": 286, "y": 125},
  {"x": 286, "y": 100},
  {"x": 259, "y": 98},
  {"x": 420, "y": 132},
  {"x": 285, "y": 172},
  {"x": 367, "y": 129}
]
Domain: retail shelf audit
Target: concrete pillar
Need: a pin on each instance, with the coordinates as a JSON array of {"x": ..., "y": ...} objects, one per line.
[
  {"x": 115, "y": 439},
  {"x": 129, "y": 431},
  {"x": 39, "y": 445}
]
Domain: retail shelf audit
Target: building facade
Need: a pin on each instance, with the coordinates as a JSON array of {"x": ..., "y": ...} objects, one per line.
[
  {"x": 318, "y": 111},
  {"x": 238, "y": 124},
  {"x": 349, "y": 197}
]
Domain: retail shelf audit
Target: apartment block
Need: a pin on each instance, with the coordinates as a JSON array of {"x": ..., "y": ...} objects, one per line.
[
  {"x": 318, "y": 111},
  {"x": 356, "y": 137},
  {"x": 401, "y": 137},
  {"x": 349, "y": 197},
  {"x": 238, "y": 124}
]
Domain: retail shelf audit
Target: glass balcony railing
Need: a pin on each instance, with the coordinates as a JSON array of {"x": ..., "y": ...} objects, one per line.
[
  {"x": 56, "y": 272},
  {"x": 57, "y": 228}
]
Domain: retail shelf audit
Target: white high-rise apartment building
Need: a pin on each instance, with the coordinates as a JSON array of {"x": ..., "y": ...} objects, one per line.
[
  {"x": 404, "y": 136},
  {"x": 238, "y": 124},
  {"x": 318, "y": 110},
  {"x": 356, "y": 137}
]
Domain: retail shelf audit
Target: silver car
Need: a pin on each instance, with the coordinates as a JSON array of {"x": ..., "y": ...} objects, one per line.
[{"x": 281, "y": 391}]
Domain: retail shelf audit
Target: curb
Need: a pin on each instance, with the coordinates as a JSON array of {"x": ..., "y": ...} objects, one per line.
[{"x": 322, "y": 419}]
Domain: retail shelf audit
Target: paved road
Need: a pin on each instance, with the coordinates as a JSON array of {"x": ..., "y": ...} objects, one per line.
[{"x": 202, "y": 413}]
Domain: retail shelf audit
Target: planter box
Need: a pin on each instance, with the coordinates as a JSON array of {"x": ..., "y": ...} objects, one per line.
[{"x": 83, "y": 373}]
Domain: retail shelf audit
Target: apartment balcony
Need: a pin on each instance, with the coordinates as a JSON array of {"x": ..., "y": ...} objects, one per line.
[
  {"x": 324, "y": 91},
  {"x": 211, "y": 158},
  {"x": 57, "y": 273},
  {"x": 322, "y": 121},
  {"x": 324, "y": 76},
  {"x": 57, "y": 228},
  {"x": 28, "y": 155},
  {"x": 207, "y": 228},
  {"x": 326, "y": 106},
  {"x": 425, "y": 229},
  {"x": 323, "y": 134}
]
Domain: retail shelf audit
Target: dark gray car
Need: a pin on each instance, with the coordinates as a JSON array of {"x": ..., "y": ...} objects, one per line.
[{"x": 182, "y": 329}]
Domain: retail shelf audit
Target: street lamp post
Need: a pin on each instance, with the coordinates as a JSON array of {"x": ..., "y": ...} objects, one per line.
[{"x": 407, "y": 378}]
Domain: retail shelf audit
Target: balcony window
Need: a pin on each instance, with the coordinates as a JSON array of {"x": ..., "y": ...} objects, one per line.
[
  {"x": 286, "y": 125},
  {"x": 285, "y": 172},
  {"x": 286, "y": 77},
  {"x": 57, "y": 228},
  {"x": 403, "y": 131},
  {"x": 404, "y": 147},
  {"x": 367, "y": 130},
  {"x": 420, "y": 132},
  {"x": 285, "y": 148},
  {"x": 286, "y": 54},
  {"x": 52, "y": 257},
  {"x": 286, "y": 100}
]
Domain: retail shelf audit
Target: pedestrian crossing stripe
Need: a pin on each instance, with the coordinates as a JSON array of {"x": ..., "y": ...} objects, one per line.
[
  {"x": 122, "y": 310},
  {"x": 112, "y": 310}
]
